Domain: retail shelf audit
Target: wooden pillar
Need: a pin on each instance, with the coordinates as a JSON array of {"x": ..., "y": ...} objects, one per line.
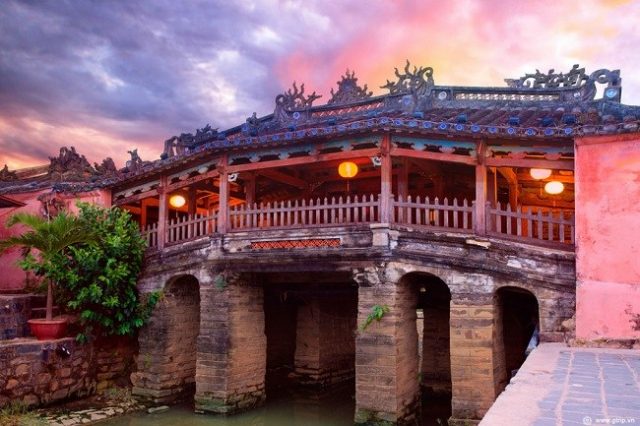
[
  {"x": 250, "y": 189},
  {"x": 223, "y": 196},
  {"x": 191, "y": 203},
  {"x": 513, "y": 195},
  {"x": 143, "y": 213},
  {"x": 386, "y": 176},
  {"x": 403, "y": 178},
  {"x": 492, "y": 186},
  {"x": 162, "y": 212},
  {"x": 481, "y": 190}
]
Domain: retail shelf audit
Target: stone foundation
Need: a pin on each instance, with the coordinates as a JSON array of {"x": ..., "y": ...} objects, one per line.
[
  {"x": 231, "y": 363},
  {"x": 325, "y": 342},
  {"x": 42, "y": 372},
  {"x": 167, "y": 359}
]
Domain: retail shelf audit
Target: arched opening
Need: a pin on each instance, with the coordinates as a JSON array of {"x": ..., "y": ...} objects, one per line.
[
  {"x": 519, "y": 319},
  {"x": 182, "y": 307},
  {"x": 432, "y": 307},
  {"x": 310, "y": 324}
]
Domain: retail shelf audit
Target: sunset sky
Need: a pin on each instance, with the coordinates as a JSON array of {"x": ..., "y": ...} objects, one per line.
[{"x": 108, "y": 76}]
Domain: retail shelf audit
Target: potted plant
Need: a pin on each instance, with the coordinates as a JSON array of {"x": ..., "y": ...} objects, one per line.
[{"x": 51, "y": 238}]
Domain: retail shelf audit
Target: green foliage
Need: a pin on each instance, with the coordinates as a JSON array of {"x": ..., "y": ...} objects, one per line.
[
  {"x": 99, "y": 280},
  {"x": 377, "y": 312},
  {"x": 16, "y": 413},
  {"x": 52, "y": 239}
]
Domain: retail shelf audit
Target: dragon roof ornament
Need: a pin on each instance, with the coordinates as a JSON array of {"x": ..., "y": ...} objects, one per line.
[
  {"x": 293, "y": 100},
  {"x": 349, "y": 91},
  {"x": 575, "y": 78},
  {"x": 417, "y": 82}
]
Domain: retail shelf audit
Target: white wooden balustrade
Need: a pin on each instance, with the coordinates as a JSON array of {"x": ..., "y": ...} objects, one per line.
[
  {"x": 304, "y": 214},
  {"x": 554, "y": 225},
  {"x": 420, "y": 212}
]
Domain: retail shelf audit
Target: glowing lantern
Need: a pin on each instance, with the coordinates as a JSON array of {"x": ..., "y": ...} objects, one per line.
[
  {"x": 554, "y": 187},
  {"x": 347, "y": 169},
  {"x": 177, "y": 200},
  {"x": 540, "y": 174}
]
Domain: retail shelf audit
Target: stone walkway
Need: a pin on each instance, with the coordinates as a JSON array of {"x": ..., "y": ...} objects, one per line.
[{"x": 558, "y": 385}]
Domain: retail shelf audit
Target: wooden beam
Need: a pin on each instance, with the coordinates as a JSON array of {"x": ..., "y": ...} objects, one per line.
[
  {"x": 481, "y": 189},
  {"x": 297, "y": 161},
  {"x": 403, "y": 178},
  {"x": 284, "y": 178},
  {"x": 162, "y": 213},
  {"x": 386, "y": 177},
  {"x": 135, "y": 198},
  {"x": 250, "y": 188},
  {"x": 223, "y": 200},
  {"x": 435, "y": 156},
  {"x": 190, "y": 181},
  {"x": 526, "y": 177},
  {"x": 535, "y": 163},
  {"x": 509, "y": 175}
]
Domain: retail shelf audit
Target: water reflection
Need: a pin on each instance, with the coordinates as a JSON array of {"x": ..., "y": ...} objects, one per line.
[{"x": 291, "y": 406}]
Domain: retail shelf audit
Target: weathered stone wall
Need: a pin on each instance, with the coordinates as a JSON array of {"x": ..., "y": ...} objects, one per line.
[
  {"x": 231, "y": 362},
  {"x": 41, "y": 372},
  {"x": 436, "y": 355},
  {"x": 15, "y": 310},
  {"x": 387, "y": 386},
  {"x": 166, "y": 363},
  {"x": 325, "y": 342}
]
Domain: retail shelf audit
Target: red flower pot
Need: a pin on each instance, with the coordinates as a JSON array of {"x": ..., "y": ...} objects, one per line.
[{"x": 48, "y": 329}]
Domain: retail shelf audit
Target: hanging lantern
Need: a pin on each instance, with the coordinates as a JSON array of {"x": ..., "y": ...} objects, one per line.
[
  {"x": 348, "y": 169},
  {"x": 177, "y": 200},
  {"x": 554, "y": 187},
  {"x": 540, "y": 174}
]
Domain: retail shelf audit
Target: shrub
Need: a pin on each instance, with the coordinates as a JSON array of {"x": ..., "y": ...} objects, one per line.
[{"x": 99, "y": 280}]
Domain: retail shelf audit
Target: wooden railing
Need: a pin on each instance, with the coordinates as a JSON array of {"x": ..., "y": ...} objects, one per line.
[
  {"x": 190, "y": 227},
  {"x": 305, "y": 214},
  {"x": 436, "y": 214},
  {"x": 532, "y": 223},
  {"x": 555, "y": 226},
  {"x": 150, "y": 235}
]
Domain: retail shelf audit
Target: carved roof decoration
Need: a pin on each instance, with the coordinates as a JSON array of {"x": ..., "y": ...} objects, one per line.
[
  {"x": 349, "y": 91},
  {"x": 7, "y": 175},
  {"x": 67, "y": 168},
  {"x": 292, "y": 100},
  {"x": 418, "y": 81},
  {"x": 576, "y": 78},
  {"x": 551, "y": 107}
]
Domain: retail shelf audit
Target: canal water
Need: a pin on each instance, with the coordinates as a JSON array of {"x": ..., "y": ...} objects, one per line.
[{"x": 332, "y": 407}]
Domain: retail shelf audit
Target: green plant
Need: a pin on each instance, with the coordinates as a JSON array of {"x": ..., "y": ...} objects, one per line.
[
  {"x": 17, "y": 414},
  {"x": 377, "y": 312},
  {"x": 52, "y": 239},
  {"x": 99, "y": 280}
]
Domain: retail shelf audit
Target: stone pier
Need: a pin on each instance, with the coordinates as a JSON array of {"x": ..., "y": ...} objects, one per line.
[
  {"x": 231, "y": 364},
  {"x": 387, "y": 385}
]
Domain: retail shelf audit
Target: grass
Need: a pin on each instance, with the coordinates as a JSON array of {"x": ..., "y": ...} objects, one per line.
[{"x": 18, "y": 414}]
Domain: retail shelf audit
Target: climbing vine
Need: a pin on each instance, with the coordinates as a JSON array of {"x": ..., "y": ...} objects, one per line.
[{"x": 377, "y": 312}]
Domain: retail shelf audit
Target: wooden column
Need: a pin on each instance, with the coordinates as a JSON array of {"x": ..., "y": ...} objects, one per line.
[
  {"x": 191, "y": 202},
  {"x": 481, "y": 190},
  {"x": 223, "y": 196},
  {"x": 162, "y": 212},
  {"x": 403, "y": 178},
  {"x": 143, "y": 213},
  {"x": 492, "y": 186},
  {"x": 250, "y": 189},
  {"x": 386, "y": 176}
]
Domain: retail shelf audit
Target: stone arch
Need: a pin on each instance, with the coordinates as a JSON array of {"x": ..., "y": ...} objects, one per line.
[
  {"x": 517, "y": 321},
  {"x": 433, "y": 310},
  {"x": 167, "y": 357}
]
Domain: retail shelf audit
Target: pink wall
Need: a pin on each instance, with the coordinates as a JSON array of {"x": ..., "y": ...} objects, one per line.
[
  {"x": 12, "y": 278},
  {"x": 607, "y": 237}
]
